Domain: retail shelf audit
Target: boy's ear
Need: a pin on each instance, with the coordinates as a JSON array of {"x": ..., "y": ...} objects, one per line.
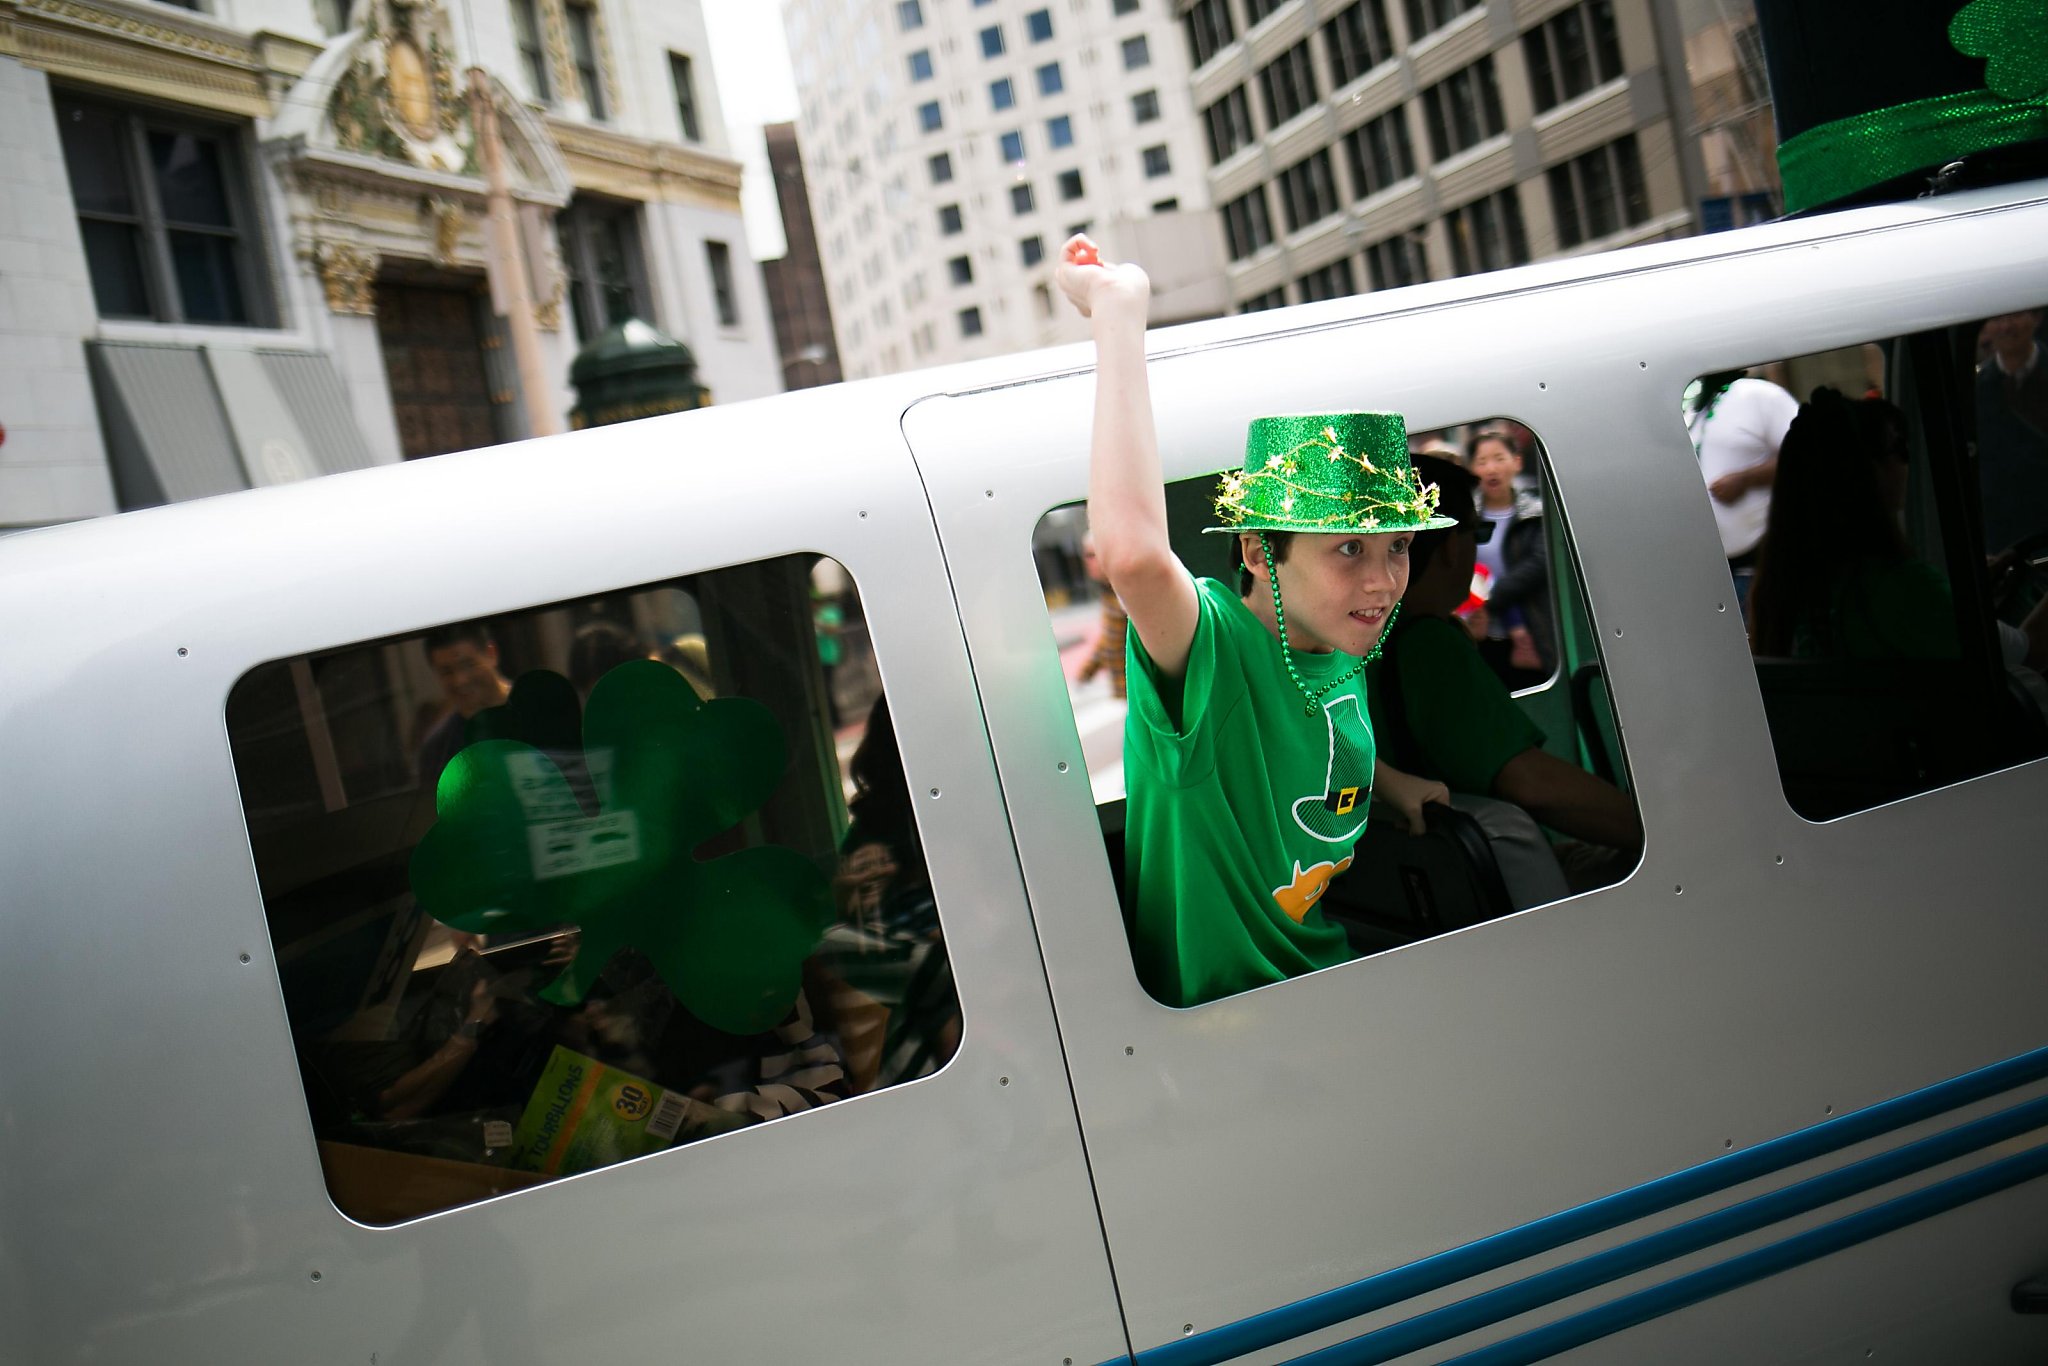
[{"x": 1252, "y": 551}]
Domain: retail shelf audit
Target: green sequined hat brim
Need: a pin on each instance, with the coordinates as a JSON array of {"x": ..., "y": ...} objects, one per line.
[{"x": 1383, "y": 529}]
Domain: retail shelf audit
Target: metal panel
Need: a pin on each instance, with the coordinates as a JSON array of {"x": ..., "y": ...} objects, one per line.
[
  {"x": 170, "y": 421},
  {"x": 274, "y": 449},
  {"x": 313, "y": 393},
  {"x": 168, "y": 1183},
  {"x": 1756, "y": 973}
]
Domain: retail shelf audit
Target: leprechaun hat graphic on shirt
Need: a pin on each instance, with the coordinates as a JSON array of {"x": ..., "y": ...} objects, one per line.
[{"x": 1336, "y": 815}]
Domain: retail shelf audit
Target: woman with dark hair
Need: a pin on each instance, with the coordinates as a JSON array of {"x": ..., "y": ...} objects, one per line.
[{"x": 1836, "y": 577}]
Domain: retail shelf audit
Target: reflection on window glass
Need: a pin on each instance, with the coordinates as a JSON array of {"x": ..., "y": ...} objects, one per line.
[
  {"x": 1541, "y": 808},
  {"x": 1894, "y": 599},
  {"x": 582, "y": 883}
]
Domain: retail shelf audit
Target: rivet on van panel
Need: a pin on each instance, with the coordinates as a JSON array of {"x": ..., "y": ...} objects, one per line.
[
  {"x": 1002, "y": 1081},
  {"x": 315, "y": 1275},
  {"x": 1063, "y": 765},
  {"x": 182, "y": 652},
  {"x": 1187, "y": 1330},
  {"x": 244, "y": 957},
  {"x": 935, "y": 792},
  {"x": 1129, "y": 1051}
]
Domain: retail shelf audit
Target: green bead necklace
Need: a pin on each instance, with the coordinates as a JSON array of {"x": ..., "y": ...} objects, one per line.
[{"x": 1313, "y": 701}]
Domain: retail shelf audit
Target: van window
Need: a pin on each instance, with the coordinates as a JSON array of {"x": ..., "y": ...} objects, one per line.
[
  {"x": 1884, "y": 509},
  {"x": 581, "y": 883},
  {"x": 1498, "y": 694}
]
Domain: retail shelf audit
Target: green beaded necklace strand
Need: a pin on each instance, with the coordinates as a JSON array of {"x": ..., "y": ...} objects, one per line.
[{"x": 1313, "y": 701}]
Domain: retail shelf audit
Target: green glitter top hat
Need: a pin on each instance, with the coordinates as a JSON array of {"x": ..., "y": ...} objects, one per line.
[{"x": 1327, "y": 472}]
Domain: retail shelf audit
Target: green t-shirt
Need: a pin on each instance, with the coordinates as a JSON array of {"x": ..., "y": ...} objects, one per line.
[
  {"x": 827, "y": 617},
  {"x": 1456, "y": 722},
  {"x": 1239, "y": 816}
]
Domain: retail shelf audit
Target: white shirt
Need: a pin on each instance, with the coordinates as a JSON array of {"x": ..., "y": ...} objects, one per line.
[{"x": 1740, "y": 430}]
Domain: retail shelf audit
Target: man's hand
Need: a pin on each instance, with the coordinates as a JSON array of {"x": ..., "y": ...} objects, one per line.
[
  {"x": 1090, "y": 283},
  {"x": 1407, "y": 794}
]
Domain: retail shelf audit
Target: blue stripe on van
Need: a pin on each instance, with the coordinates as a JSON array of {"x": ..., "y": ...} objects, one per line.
[
  {"x": 1659, "y": 1300},
  {"x": 1317, "y": 1312},
  {"x": 1547, "y": 1287}
]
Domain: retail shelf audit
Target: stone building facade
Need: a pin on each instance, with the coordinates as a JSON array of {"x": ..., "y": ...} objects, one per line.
[
  {"x": 245, "y": 241},
  {"x": 951, "y": 146},
  {"x": 1365, "y": 144}
]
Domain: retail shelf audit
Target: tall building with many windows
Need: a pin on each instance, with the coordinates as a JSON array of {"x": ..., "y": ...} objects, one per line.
[
  {"x": 1365, "y": 144},
  {"x": 952, "y": 145},
  {"x": 244, "y": 242}
]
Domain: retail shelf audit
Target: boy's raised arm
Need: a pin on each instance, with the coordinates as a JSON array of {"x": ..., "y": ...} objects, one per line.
[{"x": 1126, "y": 492}]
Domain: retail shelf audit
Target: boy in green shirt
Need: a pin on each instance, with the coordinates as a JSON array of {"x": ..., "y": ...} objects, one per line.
[{"x": 1248, "y": 751}]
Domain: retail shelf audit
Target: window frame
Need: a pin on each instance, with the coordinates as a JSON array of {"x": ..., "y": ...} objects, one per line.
[
  {"x": 682, "y": 76},
  {"x": 586, "y": 46},
  {"x": 249, "y": 242},
  {"x": 575, "y": 226},
  {"x": 1379, "y": 153},
  {"x": 1287, "y": 84}
]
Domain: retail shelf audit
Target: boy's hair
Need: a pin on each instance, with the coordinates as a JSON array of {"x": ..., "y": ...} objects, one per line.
[
  {"x": 1280, "y": 541},
  {"x": 1456, "y": 485}
]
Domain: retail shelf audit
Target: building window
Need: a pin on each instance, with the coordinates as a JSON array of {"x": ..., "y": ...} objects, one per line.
[
  {"x": 1599, "y": 193},
  {"x": 1038, "y": 25},
  {"x": 1158, "y": 162},
  {"x": 1050, "y": 82},
  {"x": 601, "y": 255},
  {"x": 1021, "y": 199},
  {"x": 970, "y": 322},
  {"x": 1427, "y": 16},
  {"x": 1059, "y": 131},
  {"x": 950, "y": 221},
  {"x": 1288, "y": 83},
  {"x": 1010, "y": 147},
  {"x": 960, "y": 270},
  {"x": 1379, "y": 153},
  {"x": 1228, "y": 123},
  {"x": 1137, "y": 53},
  {"x": 1076, "y": 229},
  {"x": 1331, "y": 282},
  {"x": 1400, "y": 260},
  {"x": 165, "y": 210},
  {"x": 928, "y": 116},
  {"x": 533, "y": 56},
  {"x": 1259, "y": 303},
  {"x": 992, "y": 41},
  {"x": 940, "y": 164},
  {"x": 1171, "y": 205},
  {"x": 1123, "y": 6},
  {"x": 1070, "y": 185},
  {"x": 1487, "y": 234},
  {"x": 1357, "y": 41},
  {"x": 1256, "y": 10},
  {"x": 1308, "y": 190},
  {"x": 686, "y": 96},
  {"x": 1031, "y": 250},
  {"x": 909, "y": 14},
  {"x": 1463, "y": 109},
  {"x": 583, "y": 46},
  {"x": 1145, "y": 106},
  {"x": 321, "y": 761},
  {"x": 719, "y": 257},
  {"x": 1572, "y": 53},
  {"x": 1209, "y": 29},
  {"x": 920, "y": 64},
  {"x": 1002, "y": 94},
  {"x": 1247, "y": 223}
]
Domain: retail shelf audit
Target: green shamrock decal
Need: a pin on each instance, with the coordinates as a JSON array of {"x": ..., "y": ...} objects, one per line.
[
  {"x": 540, "y": 822},
  {"x": 2013, "y": 34}
]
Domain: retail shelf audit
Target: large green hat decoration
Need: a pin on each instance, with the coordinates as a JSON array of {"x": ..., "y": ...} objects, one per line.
[
  {"x": 1874, "y": 100},
  {"x": 1327, "y": 472}
]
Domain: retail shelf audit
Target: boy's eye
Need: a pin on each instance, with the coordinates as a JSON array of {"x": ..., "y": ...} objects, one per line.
[
  {"x": 1399, "y": 547},
  {"x": 1350, "y": 548}
]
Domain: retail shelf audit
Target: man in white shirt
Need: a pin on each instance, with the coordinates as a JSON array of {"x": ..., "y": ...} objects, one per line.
[{"x": 1737, "y": 425}]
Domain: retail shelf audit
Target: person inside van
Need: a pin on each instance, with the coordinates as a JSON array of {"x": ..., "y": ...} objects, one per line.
[
  {"x": 1248, "y": 752},
  {"x": 1836, "y": 576},
  {"x": 1440, "y": 712}
]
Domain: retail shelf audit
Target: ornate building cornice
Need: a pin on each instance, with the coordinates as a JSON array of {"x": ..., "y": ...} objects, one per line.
[
  {"x": 152, "y": 50},
  {"x": 627, "y": 167}
]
